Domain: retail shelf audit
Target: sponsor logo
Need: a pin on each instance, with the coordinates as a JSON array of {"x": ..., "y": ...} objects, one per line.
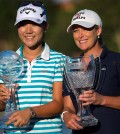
[
  {"x": 78, "y": 15},
  {"x": 27, "y": 10},
  {"x": 42, "y": 14}
]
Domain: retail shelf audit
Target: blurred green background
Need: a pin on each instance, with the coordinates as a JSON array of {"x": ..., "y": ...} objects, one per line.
[{"x": 59, "y": 17}]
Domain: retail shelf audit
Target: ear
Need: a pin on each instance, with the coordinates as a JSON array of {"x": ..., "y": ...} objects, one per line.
[
  {"x": 99, "y": 31},
  {"x": 45, "y": 26}
]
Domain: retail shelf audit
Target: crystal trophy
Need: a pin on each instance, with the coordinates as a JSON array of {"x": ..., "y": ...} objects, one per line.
[
  {"x": 79, "y": 76},
  {"x": 11, "y": 68}
]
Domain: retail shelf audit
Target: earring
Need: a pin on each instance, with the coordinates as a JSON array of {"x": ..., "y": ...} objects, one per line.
[{"x": 98, "y": 36}]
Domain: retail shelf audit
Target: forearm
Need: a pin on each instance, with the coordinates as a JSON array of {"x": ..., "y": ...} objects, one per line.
[
  {"x": 51, "y": 109},
  {"x": 69, "y": 115},
  {"x": 68, "y": 105},
  {"x": 95, "y": 98},
  {"x": 70, "y": 110},
  {"x": 113, "y": 102}
]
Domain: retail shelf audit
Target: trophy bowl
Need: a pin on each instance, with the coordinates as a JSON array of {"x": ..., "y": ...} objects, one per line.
[
  {"x": 11, "y": 68},
  {"x": 79, "y": 76}
]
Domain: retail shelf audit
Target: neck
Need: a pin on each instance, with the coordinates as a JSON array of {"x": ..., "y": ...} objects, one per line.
[
  {"x": 95, "y": 51},
  {"x": 31, "y": 54}
]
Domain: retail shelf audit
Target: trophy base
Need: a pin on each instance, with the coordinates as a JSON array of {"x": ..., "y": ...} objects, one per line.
[
  {"x": 4, "y": 118},
  {"x": 87, "y": 121}
]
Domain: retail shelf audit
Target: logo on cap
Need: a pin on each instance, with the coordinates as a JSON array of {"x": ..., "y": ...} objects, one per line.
[
  {"x": 27, "y": 10},
  {"x": 78, "y": 16},
  {"x": 32, "y": 13}
]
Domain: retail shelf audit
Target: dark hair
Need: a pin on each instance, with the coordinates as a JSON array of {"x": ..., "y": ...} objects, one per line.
[
  {"x": 101, "y": 41},
  {"x": 21, "y": 23},
  {"x": 38, "y": 3},
  {"x": 100, "y": 38}
]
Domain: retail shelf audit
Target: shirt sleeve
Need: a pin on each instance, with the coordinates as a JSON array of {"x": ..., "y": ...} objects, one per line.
[{"x": 59, "y": 68}]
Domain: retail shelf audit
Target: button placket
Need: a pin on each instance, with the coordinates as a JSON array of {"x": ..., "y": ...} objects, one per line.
[{"x": 29, "y": 72}]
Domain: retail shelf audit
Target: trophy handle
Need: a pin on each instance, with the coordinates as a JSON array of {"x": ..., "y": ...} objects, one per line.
[
  {"x": 13, "y": 97},
  {"x": 11, "y": 103},
  {"x": 79, "y": 104}
]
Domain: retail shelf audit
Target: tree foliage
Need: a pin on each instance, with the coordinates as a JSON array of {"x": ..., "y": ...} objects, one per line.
[{"x": 59, "y": 18}]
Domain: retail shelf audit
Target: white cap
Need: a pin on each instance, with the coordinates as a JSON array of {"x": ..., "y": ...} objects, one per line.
[
  {"x": 86, "y": 18},
  {"x": 32, "y": 13}
]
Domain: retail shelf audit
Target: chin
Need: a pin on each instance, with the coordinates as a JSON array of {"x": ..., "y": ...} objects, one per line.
[{"x": 83, "y": 49}]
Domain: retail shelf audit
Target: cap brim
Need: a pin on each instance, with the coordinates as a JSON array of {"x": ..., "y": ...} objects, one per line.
[
  {"x": 28, "y": 18},
  {"x": 81, "y": 23}
]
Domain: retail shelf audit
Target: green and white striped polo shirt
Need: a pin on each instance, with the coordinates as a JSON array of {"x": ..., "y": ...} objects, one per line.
[{"x": 36, "y": 88}]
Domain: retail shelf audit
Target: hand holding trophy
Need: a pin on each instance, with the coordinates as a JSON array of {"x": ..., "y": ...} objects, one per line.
[
  {"x": 11, "y": 68},
  {"x": 80, "y": 76}
]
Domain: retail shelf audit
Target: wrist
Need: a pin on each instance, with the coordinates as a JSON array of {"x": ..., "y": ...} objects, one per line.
[
  {"x": 32, "y": 113},
  {"x": 63, "y": 114}
]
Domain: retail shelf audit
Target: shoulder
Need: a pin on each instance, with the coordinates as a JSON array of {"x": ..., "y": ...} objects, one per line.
[
  {"x": 109, "y": 54},
  {"x": 53, "y": 53},
  {"x": 20, "y": 50},
  {"x": 57, "y": 54},
  {"x": 114, "y": 55},
  {"x": 113, "y": 59}
]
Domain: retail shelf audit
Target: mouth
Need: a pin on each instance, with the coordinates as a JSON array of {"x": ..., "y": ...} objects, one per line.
[
  {"x": 29, "y": 37},
  {"x": 83, "y": 41}
]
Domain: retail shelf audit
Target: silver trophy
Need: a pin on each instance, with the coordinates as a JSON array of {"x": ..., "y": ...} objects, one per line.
[
  {"x": 11, "y": 68},
  {"x": 79, "y": 76}
]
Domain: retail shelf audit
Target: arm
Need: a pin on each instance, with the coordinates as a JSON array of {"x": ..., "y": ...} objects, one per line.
[
  {"x": 113, "y": 102},
  {"x": 2, "y": 106},
  {"x": 54, "y": 107},
  {"x": 44, "y": 111},
  {"x": 91, "y": 97},
  {"x": 69, "y": 117}
]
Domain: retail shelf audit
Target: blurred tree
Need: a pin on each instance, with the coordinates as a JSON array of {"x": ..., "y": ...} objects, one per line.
[
  {"x": 59, "y": 18},
  {"x": 110, "y": 18},
  {"x": 7, "y": 30}
]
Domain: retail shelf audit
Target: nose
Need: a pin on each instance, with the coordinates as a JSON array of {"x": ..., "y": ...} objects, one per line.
[
  {"x": 28, "y": 28},
  {"x": 80, "y": 32}
]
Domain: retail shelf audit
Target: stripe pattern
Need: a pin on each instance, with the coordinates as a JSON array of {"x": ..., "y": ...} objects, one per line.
[{"x": 36, "y": 88}]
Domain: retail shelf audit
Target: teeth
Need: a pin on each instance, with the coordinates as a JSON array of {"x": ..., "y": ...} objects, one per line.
[
  {"x": 29, "y": 37},
  {"x": 82, "y": 41}
]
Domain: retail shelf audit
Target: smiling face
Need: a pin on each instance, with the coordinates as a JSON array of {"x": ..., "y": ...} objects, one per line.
[
  {"x": 86, "y": 38},
  {"x": 31, "y": 34}
]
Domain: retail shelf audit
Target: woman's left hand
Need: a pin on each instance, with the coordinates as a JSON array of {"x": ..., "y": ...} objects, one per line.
[
  {"x": 90, "y": 97},
  {"x": 20, "y": 118}
]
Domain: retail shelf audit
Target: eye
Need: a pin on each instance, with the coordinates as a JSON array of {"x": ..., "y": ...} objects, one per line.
[
  {"x": 75, "y": 30},
  {"x": 21, "y": 24}
]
